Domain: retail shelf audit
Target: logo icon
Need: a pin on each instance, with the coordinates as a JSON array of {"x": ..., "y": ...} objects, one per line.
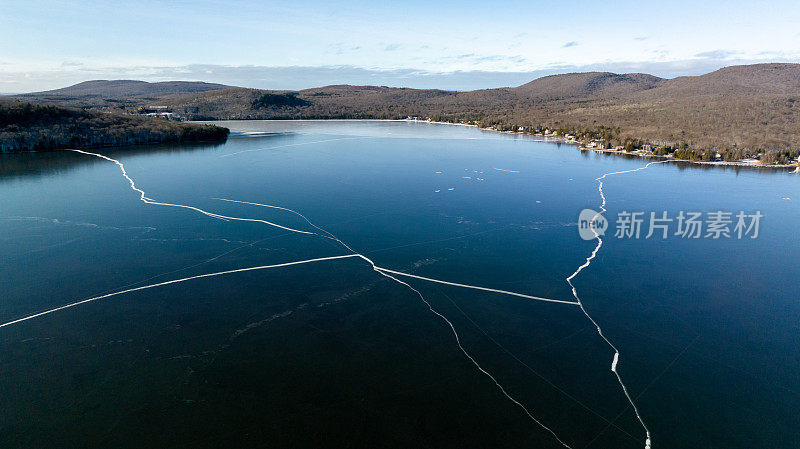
[{"x": 591, "y": 224}]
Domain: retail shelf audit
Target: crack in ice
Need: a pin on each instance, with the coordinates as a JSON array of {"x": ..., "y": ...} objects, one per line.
[
  {"x": 377, "y": 269},
  {"x": 174, "y": 281},
  {"x": 147, "y": 200},
  {"x": 400, "y": 273},
  {"x": 475, "y": 287},
  {"x": 589, "y": 259},
  {"x": 383, "y": 272}
]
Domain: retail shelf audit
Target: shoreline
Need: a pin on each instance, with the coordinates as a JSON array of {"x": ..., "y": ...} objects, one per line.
[
  {"x": 535, "y": 137},
  {"x": 542, "y": 138},
  {"x": 638, "y": 153}
]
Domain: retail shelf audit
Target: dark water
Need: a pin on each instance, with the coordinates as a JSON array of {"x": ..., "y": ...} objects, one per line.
[{"x": 332, "y": 354}]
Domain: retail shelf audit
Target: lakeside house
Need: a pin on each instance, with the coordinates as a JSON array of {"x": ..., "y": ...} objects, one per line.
[
  {"x": 159, "y": 114},
  {"x": 158, "y": 111}
]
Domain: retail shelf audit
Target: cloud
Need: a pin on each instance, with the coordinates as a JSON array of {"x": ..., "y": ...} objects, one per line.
[
  {"x": 277, "y": 78},
  {"x": 570, "y": 44},
  {"x": 667, "y": 69},
  {"x": 660, "y": 53},
  {"x": 641, "y": 38},
  {"x": 473, "y": 58},
  {"x": 340, "y": 48},
  {"x": 715, "y": 54},
  {"x": 391, "y": 47},
  {"x": 302, "y": 77}
]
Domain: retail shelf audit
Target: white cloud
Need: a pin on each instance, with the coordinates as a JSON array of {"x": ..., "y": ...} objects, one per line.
[{"x": 45, "y": 77}]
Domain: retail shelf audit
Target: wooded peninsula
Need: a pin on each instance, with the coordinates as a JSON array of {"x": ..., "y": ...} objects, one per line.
[{"x": 27, "y": 127}]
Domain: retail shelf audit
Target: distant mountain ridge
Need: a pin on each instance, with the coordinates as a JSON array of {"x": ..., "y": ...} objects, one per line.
[
  {"x": 734, "y": 108},
  {"x": 128, "y": 88}
]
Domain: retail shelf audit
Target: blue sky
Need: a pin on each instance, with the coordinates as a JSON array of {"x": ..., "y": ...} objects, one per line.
[{"x": 454, "y": 45}]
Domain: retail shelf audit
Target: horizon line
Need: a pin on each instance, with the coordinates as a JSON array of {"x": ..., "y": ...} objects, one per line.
[{"x": 403, "y": 78}]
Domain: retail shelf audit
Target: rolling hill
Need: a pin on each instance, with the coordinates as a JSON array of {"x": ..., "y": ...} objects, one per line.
[
  {"x": 590, "y": 84},
  {"x": 121, "y": 89}
]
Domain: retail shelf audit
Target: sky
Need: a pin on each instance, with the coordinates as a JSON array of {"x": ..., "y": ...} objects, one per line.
[{"x": 464, "y": 45}]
